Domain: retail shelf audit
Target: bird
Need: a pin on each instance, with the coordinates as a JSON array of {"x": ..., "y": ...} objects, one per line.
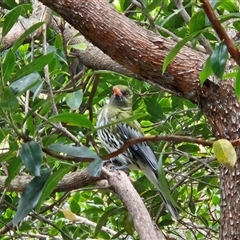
[{"x": 139, "y": 156}]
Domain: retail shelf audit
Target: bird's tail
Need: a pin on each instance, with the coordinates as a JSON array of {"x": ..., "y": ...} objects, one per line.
[
  {"x": 170, "y": 206},
  {"x": 164, "y": 192}
]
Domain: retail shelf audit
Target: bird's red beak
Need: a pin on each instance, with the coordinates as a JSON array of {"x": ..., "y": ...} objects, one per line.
[{"x": 117, "y": 91}]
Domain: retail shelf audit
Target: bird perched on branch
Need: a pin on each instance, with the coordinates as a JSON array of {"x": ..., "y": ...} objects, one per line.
[{"x": 138, "y": 156}]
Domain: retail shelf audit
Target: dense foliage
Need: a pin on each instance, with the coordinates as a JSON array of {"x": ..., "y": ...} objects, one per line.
[{"x": 48, "y": 105}]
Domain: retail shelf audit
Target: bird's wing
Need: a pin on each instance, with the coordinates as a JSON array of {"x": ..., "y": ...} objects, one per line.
[{"x": 141, "y": 151}]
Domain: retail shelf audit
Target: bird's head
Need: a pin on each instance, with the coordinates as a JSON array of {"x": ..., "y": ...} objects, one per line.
[{"x": 121, "y": 97}]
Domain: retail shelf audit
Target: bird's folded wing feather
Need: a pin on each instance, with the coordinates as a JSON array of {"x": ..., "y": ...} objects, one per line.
[{"x": 140, "y": 151}]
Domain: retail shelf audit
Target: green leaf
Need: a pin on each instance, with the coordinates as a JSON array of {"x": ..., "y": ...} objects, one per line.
[
  {"x": 225, "y": 153},
  {"x": 129, "y": 119},
  {"x": 74, "y": 99},
  {"x": 94, "y": 168},
  {"x": 30, "y": 197},
  {"x": 51, "y": 184},
  {"x": 37, "y": 89},
  {"x": 10, "y": 3},
  {"x": 80, "y": 46},
  {"x": 82, "y": 151},
  {"x": 227, "y": 6},
  {"x": 18, "y": 43},
  {"x": 218, "y": 59},
  {"x": 104, "y": 218},
  {"x": 237, "y": 84},
  {"x": 23, "y": 84},
  {"x": 162, "y": 180},
  {"x": 13, "y": 170},
  {"x": 197, "y": 21},
  {"x": 236, "y": 25},
  {"x": 36, "y": 107},
  {"x": 10, "y": 19},
  {"x": 176, "y": 50},
  {"x": 154, "y": 4},
  {"x": 206, "y": 71},
  {"x": 34, "y": 66},
  {"x": 31, "y": 154},
  {"x": 9, "y": 101},
  {"x": 49, "y": 139},
  {"x": 72, "y": 119},
  {"x": 8, "y": 66}
]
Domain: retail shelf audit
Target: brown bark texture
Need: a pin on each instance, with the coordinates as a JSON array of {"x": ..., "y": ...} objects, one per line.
[{"x": 143, "y": 52}]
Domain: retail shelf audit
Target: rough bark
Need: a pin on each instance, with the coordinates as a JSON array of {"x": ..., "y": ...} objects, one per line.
[
  {"x": 129, "y": 196},
  {"x": 143, "y": 53},
  {"x": 138, "y": 50}
]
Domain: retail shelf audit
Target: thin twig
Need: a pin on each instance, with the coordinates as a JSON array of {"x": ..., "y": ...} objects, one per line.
[
  {"x": 232, "y": 49},
  {"x": 169, "y": 138}
]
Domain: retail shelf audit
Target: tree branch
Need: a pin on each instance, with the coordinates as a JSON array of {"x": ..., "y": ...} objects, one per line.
[
  {"x": 138, "y": 50},
  {"x": 169, "y": 138},
  {"x": 232, "y": 49},
  {"x": 131, "y": 199}
]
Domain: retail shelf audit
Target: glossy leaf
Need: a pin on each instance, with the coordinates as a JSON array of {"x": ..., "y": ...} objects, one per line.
[
  {"x": 197, "y": 22},
  {"x": 150, "y": 7},
  {"x": 236, "y": 24},
  {"x": 218, "y": 59},
  {"x": 82, "y": 151},
  {"x": 30, "y": 197},
  {"x": 25, "y": 83},
  {"x": 8, "y": 101},
  {"x": 72, "y": 119},
  {"x": 225, "y": 153},
  {"x": 34, "y": 66},
  {"x": 31, "y": 154},
  {"x": 51, "y": 184},
  {"x": 74, "y": 99},
  {"x": 206, "y": 71},
  {"x": 30, "y": 30},
  {"x": 173, "y": 53},
  {"x": 129, "y": 119},
  {"x": 94, "y": 168},
  {"x": 10, "y": 19},
  {"x": 162, "y": 180},
  {"x": 36, "y": 107},
  {"x": 8, "y": 65}
]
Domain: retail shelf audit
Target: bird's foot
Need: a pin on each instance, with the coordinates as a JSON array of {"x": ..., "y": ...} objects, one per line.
[{"x": 113, "y": 163}]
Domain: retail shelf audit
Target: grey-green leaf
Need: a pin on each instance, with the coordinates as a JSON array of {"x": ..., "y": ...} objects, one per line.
[
  {"x": 94, "y": 168},
  {"x": 30, "y": 197},
  {"x": 82, "y": 151},
  {"x": 25, "y": 83},
  {"x": 74, "y": 99},
  {"x": 31, "y": 154},
  {"x": 72, "y": 119},
  {"x": 8, "y": 101}
]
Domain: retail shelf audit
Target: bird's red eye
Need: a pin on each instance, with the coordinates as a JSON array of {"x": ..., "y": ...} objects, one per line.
[{"x": 126, "y": 93}]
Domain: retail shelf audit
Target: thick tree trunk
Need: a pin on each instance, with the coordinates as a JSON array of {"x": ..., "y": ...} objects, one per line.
[{"x": 143, "y": 53}]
